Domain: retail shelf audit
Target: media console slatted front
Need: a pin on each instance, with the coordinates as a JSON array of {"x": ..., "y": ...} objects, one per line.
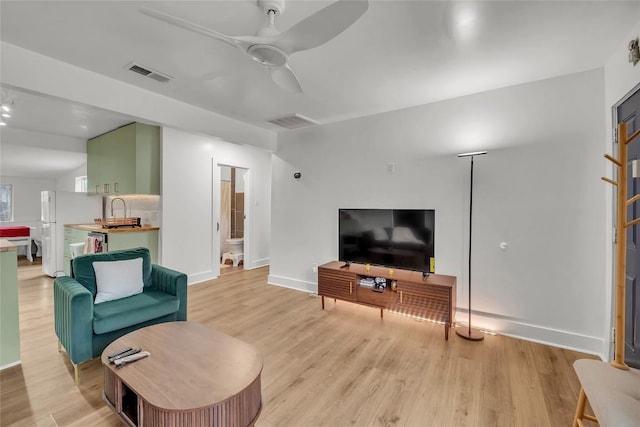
[{"x": 432, "y": 298}]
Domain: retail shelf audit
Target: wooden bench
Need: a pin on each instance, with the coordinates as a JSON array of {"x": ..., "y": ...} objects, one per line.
[{"x": 614, "y": 394}]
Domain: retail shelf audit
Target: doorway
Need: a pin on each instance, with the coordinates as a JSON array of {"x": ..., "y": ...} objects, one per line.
[
  {"x": 628, "y": 111},
  {"x": 233, "y": 186}
]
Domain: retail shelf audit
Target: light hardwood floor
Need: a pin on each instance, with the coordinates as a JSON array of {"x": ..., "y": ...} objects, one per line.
[{"x": 339, "y": 367}]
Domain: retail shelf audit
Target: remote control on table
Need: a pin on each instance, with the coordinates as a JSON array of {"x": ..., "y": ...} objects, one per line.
[
  {"x": 125, "y": 354},
  {"x": 131, "y": 358},
  {"x": 118, "y": 353}
]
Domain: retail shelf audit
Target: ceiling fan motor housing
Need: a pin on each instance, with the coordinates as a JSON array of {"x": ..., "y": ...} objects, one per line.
[
  {"x": 272, "y": 48},
  {"x": 275, "y": 5}
]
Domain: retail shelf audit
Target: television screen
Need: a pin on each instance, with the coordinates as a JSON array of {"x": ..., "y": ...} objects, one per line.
[{"x": 399, "y": 238}]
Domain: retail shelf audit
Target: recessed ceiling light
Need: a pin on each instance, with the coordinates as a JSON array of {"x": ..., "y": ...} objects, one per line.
[
  {"x": 2, "y": 123},
  {"x": 6, "y": 108},
  {"x": 6, "y": 115}
]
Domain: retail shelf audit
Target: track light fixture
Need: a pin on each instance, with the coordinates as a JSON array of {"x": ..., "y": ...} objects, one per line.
[{"x": 5, "y": 109}]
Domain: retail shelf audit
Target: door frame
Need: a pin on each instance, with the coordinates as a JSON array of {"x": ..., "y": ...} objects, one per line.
[
  {"x": 612, "y": 224},
  {"x": 215, "y": 216}
]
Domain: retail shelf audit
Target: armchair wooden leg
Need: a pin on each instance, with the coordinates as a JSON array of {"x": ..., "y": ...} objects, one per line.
[
  {"x": 76, "y": 373},
  {"x": 76, "y": 368}
]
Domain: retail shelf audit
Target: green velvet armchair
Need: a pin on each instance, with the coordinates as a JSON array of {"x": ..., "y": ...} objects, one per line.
[{"x": 85, "y": 329}]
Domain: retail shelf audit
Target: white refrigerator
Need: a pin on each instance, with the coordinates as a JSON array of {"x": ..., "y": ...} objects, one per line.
[{"x": 57, "y": 209}]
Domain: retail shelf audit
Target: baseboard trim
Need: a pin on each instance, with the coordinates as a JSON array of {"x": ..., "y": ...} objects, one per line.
[
  {"x": 192, "y": 279},
  {"x": 493, "y": 323},
  {"x": 534, "y": 333},
  {"x": 298, "y": 285},
  {"x": 259, "y": 263}
]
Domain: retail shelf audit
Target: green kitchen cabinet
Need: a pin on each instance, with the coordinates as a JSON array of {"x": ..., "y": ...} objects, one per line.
[
  {"x": 134, "y": 239},
  {"x": 125, "y": 161},
  {"x": 9, "y": 319},
  {"x": 95, "y": 179}
]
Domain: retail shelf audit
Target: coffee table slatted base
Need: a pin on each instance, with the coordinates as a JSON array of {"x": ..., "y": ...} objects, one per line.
[{"x": 242, "y": 409}]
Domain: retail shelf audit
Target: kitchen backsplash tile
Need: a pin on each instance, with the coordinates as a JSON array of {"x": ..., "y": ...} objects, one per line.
[{"x": 147, "y": 208}]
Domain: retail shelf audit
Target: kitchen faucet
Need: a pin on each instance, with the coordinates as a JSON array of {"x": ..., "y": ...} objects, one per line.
[{"x": 124, "y": 204}]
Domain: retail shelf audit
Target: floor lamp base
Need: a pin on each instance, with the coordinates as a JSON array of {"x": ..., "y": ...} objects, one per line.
[{"x": 470, "y": 334}]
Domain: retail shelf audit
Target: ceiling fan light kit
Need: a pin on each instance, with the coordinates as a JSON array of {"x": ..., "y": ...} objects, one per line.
[
  {"x": 272, "y": 48},
  {"x": 268, "y": 55}
]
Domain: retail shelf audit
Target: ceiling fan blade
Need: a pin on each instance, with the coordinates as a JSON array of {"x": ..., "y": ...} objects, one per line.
[
  {"x": 285, "y": 78},
  {"x": 322, "y": 26},
  {"x": 196, "y": 28}
]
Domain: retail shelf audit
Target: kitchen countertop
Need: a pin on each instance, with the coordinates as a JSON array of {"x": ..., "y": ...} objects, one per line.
[
  {"x": 7, "y": 246},
  {"x": 98, "y": 229}
]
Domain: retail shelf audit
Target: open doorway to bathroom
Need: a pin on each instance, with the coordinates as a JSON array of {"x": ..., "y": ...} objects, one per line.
[{"x": 232, "y": 218}]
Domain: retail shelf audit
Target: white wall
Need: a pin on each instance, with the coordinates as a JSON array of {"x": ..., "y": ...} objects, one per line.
[
  {"x": 621, "y": 77},
  {"x": 67, "y": 181},
  {"x": 538, "y": 189},
  {"x": 26, "y": 198},
  {"x": 187, "y": 201}
]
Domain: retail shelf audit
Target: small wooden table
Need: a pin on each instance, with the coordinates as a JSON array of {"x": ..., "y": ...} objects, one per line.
[{"x": 195, "y": 376}]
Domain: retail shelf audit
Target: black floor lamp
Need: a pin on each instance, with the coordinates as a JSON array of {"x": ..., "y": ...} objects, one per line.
[{"x": 469, "y": 333}]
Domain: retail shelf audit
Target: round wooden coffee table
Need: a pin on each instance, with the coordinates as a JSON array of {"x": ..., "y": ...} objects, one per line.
[{"x": 195, "y": 376}]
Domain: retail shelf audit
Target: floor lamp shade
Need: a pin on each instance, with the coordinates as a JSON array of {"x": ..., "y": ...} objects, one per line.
[{"x": 469, "y": 333}]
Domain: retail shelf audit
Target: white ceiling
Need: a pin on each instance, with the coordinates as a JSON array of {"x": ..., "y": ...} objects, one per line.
[
  {"x": 398, "y": 54},
  {"x": 45, "y": 136}
]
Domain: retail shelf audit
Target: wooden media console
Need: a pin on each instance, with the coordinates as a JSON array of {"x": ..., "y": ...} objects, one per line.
[{"x": 407, "y": 292}]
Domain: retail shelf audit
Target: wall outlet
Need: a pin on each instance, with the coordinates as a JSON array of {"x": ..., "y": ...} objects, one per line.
[
  {"x": 314, "y": 268},
  {"x": 391, "y": 167}
]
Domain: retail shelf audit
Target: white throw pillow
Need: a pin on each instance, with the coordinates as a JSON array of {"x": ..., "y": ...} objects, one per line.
[{"x": 118, "y": 279}]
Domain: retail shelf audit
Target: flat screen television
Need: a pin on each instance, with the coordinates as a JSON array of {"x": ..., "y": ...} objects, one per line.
[{"x": 399, "y": 238}]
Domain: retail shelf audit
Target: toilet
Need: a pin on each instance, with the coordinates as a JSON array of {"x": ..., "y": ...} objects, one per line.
[{"x": 235, "y": 251}]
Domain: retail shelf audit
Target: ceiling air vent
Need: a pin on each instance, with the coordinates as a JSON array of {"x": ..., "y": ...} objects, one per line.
[
  {"x": 147, "y": 72},
  {"x": 295, "y": 121}
]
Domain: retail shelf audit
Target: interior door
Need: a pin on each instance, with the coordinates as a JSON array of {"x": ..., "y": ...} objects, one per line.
[
  {"x": 215, "y": 217},
  {"x": 628, "y": 113}
]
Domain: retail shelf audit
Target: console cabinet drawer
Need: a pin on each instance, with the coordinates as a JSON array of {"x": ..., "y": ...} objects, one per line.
[
  {"x": 336, "y": 284},
  {"x": 429, "y": 302},
  {"x": 378, "y": 299}
]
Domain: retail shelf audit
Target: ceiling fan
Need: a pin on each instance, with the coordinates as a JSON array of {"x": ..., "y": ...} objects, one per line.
[{"x": 272, "y": 48}]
